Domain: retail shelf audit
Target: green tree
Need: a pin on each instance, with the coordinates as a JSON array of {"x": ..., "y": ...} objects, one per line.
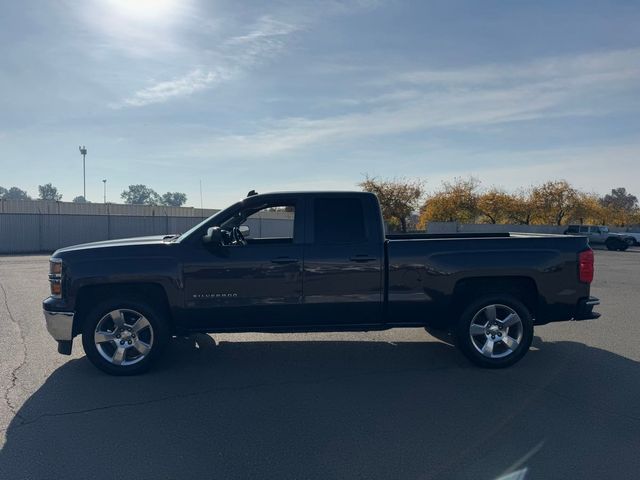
[
  {"x": 398, "y": 198},
  {"x": 173, "y": 199},
  {"x": 621, "y": 207},
  {"x": 48, "y": 192},
  {"x": 79, "y": 199},
  {"x": 140, "y": 195},
  {"x": 3, "y": 192},
  {"x": 15, "y": 193},
  {"x": 619, "y": 199}
]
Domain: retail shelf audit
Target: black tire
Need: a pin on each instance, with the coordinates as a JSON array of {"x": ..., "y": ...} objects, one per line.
[
  {"x": 156, "y": 335},
  {"x": 505, "y": 303},
  {"x": 612, "y": 244}
]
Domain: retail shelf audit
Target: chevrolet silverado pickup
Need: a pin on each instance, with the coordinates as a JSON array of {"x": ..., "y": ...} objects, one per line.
[{"x": 329, "y": 266}]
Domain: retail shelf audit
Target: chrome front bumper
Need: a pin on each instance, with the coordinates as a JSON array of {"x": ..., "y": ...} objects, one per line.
[{"x": 59, "y": 325}]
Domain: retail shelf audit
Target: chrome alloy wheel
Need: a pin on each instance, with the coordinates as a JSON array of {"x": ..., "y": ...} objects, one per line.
[
  {"x": 123, "y": 337},
  {"x": 496, "y": 331}
]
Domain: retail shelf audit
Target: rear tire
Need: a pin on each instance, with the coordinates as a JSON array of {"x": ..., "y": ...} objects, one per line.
[
  {"x": 495, "y": 331},
  {"x": 616, "y": 244},
  {"x": 124, "y": 336}
]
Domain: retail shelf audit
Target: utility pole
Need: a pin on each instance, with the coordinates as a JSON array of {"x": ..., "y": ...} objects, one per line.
[
  {"x": 105, "y": 189},
  {"x": 83, "y": 152}
]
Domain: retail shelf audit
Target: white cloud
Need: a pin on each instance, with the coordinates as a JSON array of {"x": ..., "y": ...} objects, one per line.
[
  {"x": 587, "y": 168},
  {"x": 235, "y": 56},
  {"x": 470, "y": 97},
  {"x": 594, "y": 67},
  {"x": 188, "y": 84},
  {"x": 267, "y": 27}
]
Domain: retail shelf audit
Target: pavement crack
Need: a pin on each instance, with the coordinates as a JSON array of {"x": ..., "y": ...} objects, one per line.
[
  {"x": 239, "y": 388},
  {"x": 14, "y": 372}
]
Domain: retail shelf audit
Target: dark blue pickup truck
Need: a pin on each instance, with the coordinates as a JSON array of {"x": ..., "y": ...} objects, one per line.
[{"x": 330, "y": 267}]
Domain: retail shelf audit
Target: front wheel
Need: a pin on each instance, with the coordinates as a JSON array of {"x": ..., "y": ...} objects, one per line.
[
  {"x": 495, "y": 331},
  {"x": 124, "y": 337}
]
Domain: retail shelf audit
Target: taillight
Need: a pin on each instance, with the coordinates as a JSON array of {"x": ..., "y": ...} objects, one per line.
[{"x": 585, "y": 266}]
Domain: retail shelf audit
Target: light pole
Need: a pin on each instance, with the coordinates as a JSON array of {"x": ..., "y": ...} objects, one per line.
[
  {"x": 83, "y": 152},
  {"x": 105, "y": 189}
]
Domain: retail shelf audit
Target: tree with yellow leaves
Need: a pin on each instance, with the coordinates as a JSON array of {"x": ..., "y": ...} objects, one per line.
[
  {"x": 398, "y": 198},
  {"x": 457, "y": 201},
  {"x": 495, "y": 205},
  {"x": 554, "y": 201}
]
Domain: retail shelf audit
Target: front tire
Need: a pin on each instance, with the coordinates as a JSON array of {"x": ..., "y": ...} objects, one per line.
[
  {"x": 495, "y": 331},
  {"x": 124, "y": 337}
]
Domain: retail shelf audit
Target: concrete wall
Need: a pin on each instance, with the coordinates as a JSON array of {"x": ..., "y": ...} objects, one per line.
[
  {"x": 28, "y": 232},
  {"x": 69, "y": 208}
]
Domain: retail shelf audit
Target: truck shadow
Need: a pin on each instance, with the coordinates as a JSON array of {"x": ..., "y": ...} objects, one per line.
[{"x": 333, "y": 409}]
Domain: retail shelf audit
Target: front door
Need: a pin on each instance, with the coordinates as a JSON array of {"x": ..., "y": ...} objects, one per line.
[{"x": 252, "y": 284}]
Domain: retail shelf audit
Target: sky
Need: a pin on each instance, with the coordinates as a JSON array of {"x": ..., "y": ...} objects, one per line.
[{"x": 298, "y": 94}]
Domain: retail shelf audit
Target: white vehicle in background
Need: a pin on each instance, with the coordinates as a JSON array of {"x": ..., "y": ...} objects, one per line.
[{"x": 600, "y": 235}]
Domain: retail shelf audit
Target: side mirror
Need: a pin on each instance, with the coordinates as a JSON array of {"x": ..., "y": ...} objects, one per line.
[
  {"x": 214, "y": 235},
  {"x": 245, "y": 230}
]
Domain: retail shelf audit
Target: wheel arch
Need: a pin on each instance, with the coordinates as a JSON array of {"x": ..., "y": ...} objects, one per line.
[
  {"x": 523, "y": 288},
  {"x": 89, "y": 295}
]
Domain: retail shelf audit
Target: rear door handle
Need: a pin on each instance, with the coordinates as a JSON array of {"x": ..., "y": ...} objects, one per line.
[
  {"x": 284, "y": 260},
  {"x": 363, "y": 258}
]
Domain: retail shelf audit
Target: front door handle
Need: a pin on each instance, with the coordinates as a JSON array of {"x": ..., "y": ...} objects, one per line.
[
  {"x": 363, "y": 258},
  {"x": 284, "y": 260}
]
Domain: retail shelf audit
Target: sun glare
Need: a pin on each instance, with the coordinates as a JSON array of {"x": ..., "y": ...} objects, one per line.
[{"x": 143, "y": 10}]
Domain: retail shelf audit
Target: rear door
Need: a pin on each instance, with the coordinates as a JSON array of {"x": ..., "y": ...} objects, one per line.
[{"x": 343, "y": 261}]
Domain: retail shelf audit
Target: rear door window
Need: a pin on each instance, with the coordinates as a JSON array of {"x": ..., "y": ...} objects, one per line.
[{"x": 339, "y": 221}]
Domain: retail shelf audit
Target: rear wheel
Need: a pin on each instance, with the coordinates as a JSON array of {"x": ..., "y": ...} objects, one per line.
[
  {"x": 495, "y": 331},
  {"x": 616, "y": 244},
  {"x": 124, "y": 337}
]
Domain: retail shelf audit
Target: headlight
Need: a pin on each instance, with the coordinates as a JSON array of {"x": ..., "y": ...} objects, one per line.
[{"x": 55, "y": 277}]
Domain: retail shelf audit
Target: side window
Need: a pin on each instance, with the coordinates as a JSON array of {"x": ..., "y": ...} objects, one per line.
[
  {"x": 584, "y": 229},
  {"x": 572, "y": 229},
  {"x": 271, "y": 222},
  {"x": 338, "y": 221}
]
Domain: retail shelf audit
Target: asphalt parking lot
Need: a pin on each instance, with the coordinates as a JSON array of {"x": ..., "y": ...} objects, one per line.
[{"x": 394, "y": 404}]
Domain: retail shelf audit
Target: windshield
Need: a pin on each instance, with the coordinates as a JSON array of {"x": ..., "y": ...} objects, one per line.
[{"x": 213, "y": 220}]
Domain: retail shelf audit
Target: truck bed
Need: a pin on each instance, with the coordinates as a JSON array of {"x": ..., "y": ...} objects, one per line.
[{"x": 426, "y": 272}]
